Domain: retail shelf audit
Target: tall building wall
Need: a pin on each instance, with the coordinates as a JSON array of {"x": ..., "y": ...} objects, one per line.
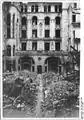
[{"x": 64, "y": 42}]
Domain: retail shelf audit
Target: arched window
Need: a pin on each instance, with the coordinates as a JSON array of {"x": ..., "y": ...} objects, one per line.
[
  {"x": 8, "y": 50},
  {"x": 24, "y": 20},
  {"x": 57, "y": 20},
  {"x": 8, "y": 25},
  {"x": 34, "y": 20},
  {"x": 47, "y": 21}
]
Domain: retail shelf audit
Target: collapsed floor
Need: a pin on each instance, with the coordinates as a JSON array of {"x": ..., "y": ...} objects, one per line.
[{"x": 28, "y": 94}]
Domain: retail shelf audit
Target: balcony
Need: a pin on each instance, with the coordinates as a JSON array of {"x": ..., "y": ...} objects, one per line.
[
  {"x": 37, "y": 53},
  {"x": 76, "y": 24},
  {"x": 57, "y": 39},
  {"x": 57, "y": 26},
  {"x": 47, "y": 26},
  {"x": 23, "y": 39}
]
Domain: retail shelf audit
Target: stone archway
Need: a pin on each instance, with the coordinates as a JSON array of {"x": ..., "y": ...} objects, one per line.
[
  {"x": 27, "y": 63},
  {"x": 52, "y": 64}
]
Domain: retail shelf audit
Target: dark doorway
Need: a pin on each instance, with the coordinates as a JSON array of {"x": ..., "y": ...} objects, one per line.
[
  {"x": 26, "y": 63},
  {"x": 39, "y": 69},
  {"x": 52, "y": 64}
]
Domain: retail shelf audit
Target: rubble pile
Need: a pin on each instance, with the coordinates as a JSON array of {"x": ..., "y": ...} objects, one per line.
[
  {"x": 50, "y": 77},
  {"x": 29, "y": 92},
  {"x": 58, "y": 93},
  {"x": 20, "y": 87}
]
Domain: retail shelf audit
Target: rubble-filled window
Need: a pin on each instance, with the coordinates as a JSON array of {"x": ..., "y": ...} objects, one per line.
[
  {"x": 23, "y": 46},
  {"x": 47, "y": 46},
  {"x": 23, "y": 33},
  {"x": 34, "y": 46},
  {"x": 58, "y": 20},
  {"x": 73, "y": 18},
  {"x": 47, "y": 8},
  {"x": 57, "y": 46},
  {"x": 57, "y": 33},
  {"x": 34, "y": 8},
  {"x": 47, "y": 21},
  {"x": 47, "y": 33},
  {"x": 34, "y": 33},
  {"x": 34, "y": 20},
  {"x": 58, "y": 8},
  {"x": 24, "y": 21},
  {"x": 13, "y": 24},
  {"x": 8, "y": 50},
  {"x": 13, "y": 50},
  {"x": 8, "y": 25}
]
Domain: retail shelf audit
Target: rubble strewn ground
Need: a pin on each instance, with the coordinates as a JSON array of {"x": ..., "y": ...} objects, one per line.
[{"x": 44, "y": 95}]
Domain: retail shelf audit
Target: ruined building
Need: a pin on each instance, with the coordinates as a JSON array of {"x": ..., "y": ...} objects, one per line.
[{"x": 37, "y": 36}]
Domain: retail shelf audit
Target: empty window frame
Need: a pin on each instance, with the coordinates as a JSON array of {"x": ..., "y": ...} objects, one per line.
[
  {"x": 23, "y": 46},
  {"x": 22, "y": 8},
  {"x": 34, "y": 8},
  {"x": 57, "y": 46},
  {"x": 47, "y": 21},
  {"x": 57, "y": 33},
  {"x": 24, "y": 21},
  {"x": 23, "y": 33},
  {"x": 75, "y": 5},
  {"x": 8, "y": 25},
  {"x": 34, "y": 33},
  {"x": 25, "y": 8},
  {"x": 47, "y": 46},
  {"x": 57, "y": 20},
  {"x": 73, "y": 18},
  {"x": 8, "y": 50},
  {"x": 47, "y": 8},
  {"x": 34, "y": 20},
  {"x": 58, "y": 8},
  {"x": 34, "y": 46},
  {"x": 47, "y": 33},
  {"x": 8, "y": 65}
]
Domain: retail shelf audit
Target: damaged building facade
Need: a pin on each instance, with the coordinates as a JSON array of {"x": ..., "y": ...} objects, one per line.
[{"x": 38, "y": 36}]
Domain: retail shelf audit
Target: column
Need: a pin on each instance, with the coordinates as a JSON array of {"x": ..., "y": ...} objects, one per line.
[
  {"x": 11, "y": 51},
  {"x": 11, "y": 26},
  {"x": 47, "y": 66},
  {"x": 52, "y": 27},
  {"x": 16, "y": 63},
  {"x": 4, "y": 64}
]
